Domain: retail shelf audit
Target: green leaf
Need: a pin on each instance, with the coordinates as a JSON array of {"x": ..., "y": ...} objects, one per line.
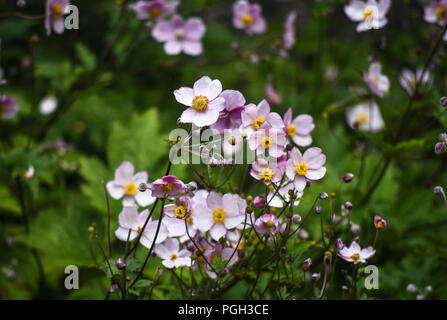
[{"x": 86, "y": 57}]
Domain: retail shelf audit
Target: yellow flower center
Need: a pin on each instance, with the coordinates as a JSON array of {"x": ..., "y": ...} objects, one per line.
[
  {"x": 189, "y": 220},
  {"x": 440, "y": 13},
  {"x": 355, "y": 257},
  {"x": 267, "y": 224},
  {"x": 130, "y": 189},
  {"x": 174, "y": 257},
  {"x": 266, "y": 141},
  {"x": 180, "y": 212},
  {"x": 375, "y": 80},
  {"x": 155, "y": 12},
  {"x": 219, "y": 215},
  {"x": 214, "y": 260},
  {"x": 179, "y": 35},
  {"x": 291, "y": 130},
  {"x": 247, "y": 19},
  {"x": 379, "y": 224},
  {"x": 367, "y": 13},
  {"x": 57, "y": 11},
  {"x": 168, "y": 187},
  {"x": 301, "y": 168},
  {"x": 258, "y": 122},
  {"x": 267, "y": 174},
  {"x": 200, "y": 103},
  {"x": 362, "y": 118},
  {"x": 139, "y": 229}
]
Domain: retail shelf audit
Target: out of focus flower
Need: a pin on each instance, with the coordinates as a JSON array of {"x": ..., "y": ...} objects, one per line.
[
  {"x": 307, "y": 264},
  {"x": 289, "y": 33},
  {"x": 365, "y": 116},
  {"x": 266, "y": 171},
  {"x": 167, "y": 186},
  {"x": 48, "y": 105},
  {"x": 299, "y": 129},
  {"x": 408, "y": 79},
  {"x": 125, "y": 185},
  {"x": 440, "y": 148},
  {"x": 179, "y": 35},
  {"x": 266, "y": 223},
  {"x": 277, "y": 200},
  {"x": 272, "y": 95},
  {"x": 268, "y": 139},
  {"x": 411, "y": 288},
  {"x": 377, "y": 82},
  {"x": 131, "y": 224},
  {"x": 220, "y": 214},
  {"x": 309, "y": 165},
  {"x": 203, "y": 101},
  {"x": 370, "y": 14},
  {"x": 8, "y": 107},
  {"x": 248, "y": 17},
  {"x": 253, "y": 117},
  {"x": 54, "y": 16},
  {"x": 259, "y": 201},
  {"x": 355, "y": 254},
  {"x": 30, "y": 172},
  {"x": 436, "y": 12},
  {"x": 379, "y": 223},
  {"x": 171, "y": 254},
  {"x": 339, "y": 244},
  {"x": 157, "y": 9},
  {"x": 230, "y": 116}
]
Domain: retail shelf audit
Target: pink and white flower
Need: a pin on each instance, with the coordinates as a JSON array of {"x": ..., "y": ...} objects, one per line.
[
  {"x": 267, "y": 223},
  {"x": 253, "y": 117},
  {"x": 221, "y": 213},
  {"x": 54, "y": 16},
  {"x": 157, "y": 9},
  {"x": 309, "y": 165},
  {"x": 299, "y": 129},
  {"x": 203, "y": 101},
  {"x": 131, "y": 224},
  {"x": 168, "y": 186},
  {"x": 408, "y": 79},
  {"x": 171, "y": 254},
  {"x": 180, "y": 36},
  {"x": 248, "y": 17},
  {"x": 273, "y": 96},
  {"x": 278, "y": 199},
  {"x": 379, "y": 223},
  {"x": 230, "y": 116},
  {"x": 125, "y": 185},
  {"x": 370, "y": 14},
  {"x": 377, "y": 82},
  {"x": 289, "y": 33},
  {"x": 219, "y": 252},
  {"x": 365, "y": 116},
  {"x": 8, "y": 107},
  {"x": 268, "y": 139},
  {"x": 436, "y": 12},
  {"x": 355, "y": 254},
  {"x": 266, "y": 171}
]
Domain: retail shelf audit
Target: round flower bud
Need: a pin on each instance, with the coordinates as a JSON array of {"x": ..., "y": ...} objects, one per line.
[
  {"x": 296, "y": 218},
  {"x": 249, "y": 198},
  {"x": 339, "y": 244},
  {"x": 120, "y": 263},
  {"x": 355, "y": 228},
  {"x": 443, "y": 101},
  {"x": 442, "y": 137},
  {"x": 113, "y": 288},
  {"x": 438, "y": 190},
  {"x": 348, "y": 177},
  {"x": 289, "y": 147},
  {"x": 259, "y": 202},
  {"x": 142, "y": 187},
  {"x": 347, "y": 205},
  {"x": 91, "y": 229},
  {"x": 306, "y": 264},
  {"x": 323, "y": 195},
  {"x": 428, "y": 289},
  {"x": 318, "y": 209},
  {"x": 249, "y": 209},
  {"x": 440, "y": 148},
  {"x": 316, "y": 277}
]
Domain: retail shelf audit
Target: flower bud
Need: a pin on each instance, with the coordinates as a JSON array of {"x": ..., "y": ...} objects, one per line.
[
  {"x": 120, "y": 263},
  {"x": 316, "y": 277},
  {"x": 339, "y": 244},
  {"x": 296, "y": 218},
  {"x": 428, "y": 289},
  {"x": 142, "y": 187},
  {"x": 355, "y": 228},
  {"x": 249, "y": 198},
  {"x": 318, "y": 209},
  {"x": 347, "y": 205},
  {"x": 289, "y": 147},
  {"x": 323, "y": 195},
  {"x": 249, "y": 209},
  {"x": 442, "y": 137},
  {"x": 259, "y": 201},
  {"x": 438, "y": 191},
  {"x": 348, "y": 177},
  {"x": 113, "y": 288},
  {"x": 440, "y": 148},
  {"x": 328, "y": 255},
  {"x": 443, "y": 101},
  {"x": 308, "y": 183},
  {"x": 306, "y": 264}
]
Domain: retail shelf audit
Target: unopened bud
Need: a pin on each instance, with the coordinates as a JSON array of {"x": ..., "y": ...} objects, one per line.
[
  {"x": 347, "y": 205},
  {"x": 316, "y": 277},
  {"x": 259, "y": 202},
  {"x": 33, "y": 40},
  {"x": 443, "y": 101},
  {"x": 348, "y": 177},
  {"x": 120, "y": 263},
  {"x": 296, "y": 218},
  {"x": 113, "y": 288},
  {"x": 318, "y": 209},
  {"x": 438, "y": 190},
  {"x": 142, "y": 187},
  {"x": 306, "y": 264},
  {"x": 249, "y": 198},
  {"x": 328, "y": 255},
  {"x": 339, "y": 244},
  {"x": 91, "y": 229},
  {"x": 440, "y": 147},
  {"x": 308, "y": 183},
  {"x": 249, "y": 209},
  {"x": 289, "y": 147},
  {"x": 323, "y": 195},
  {"x": 442, "y": 137}
]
